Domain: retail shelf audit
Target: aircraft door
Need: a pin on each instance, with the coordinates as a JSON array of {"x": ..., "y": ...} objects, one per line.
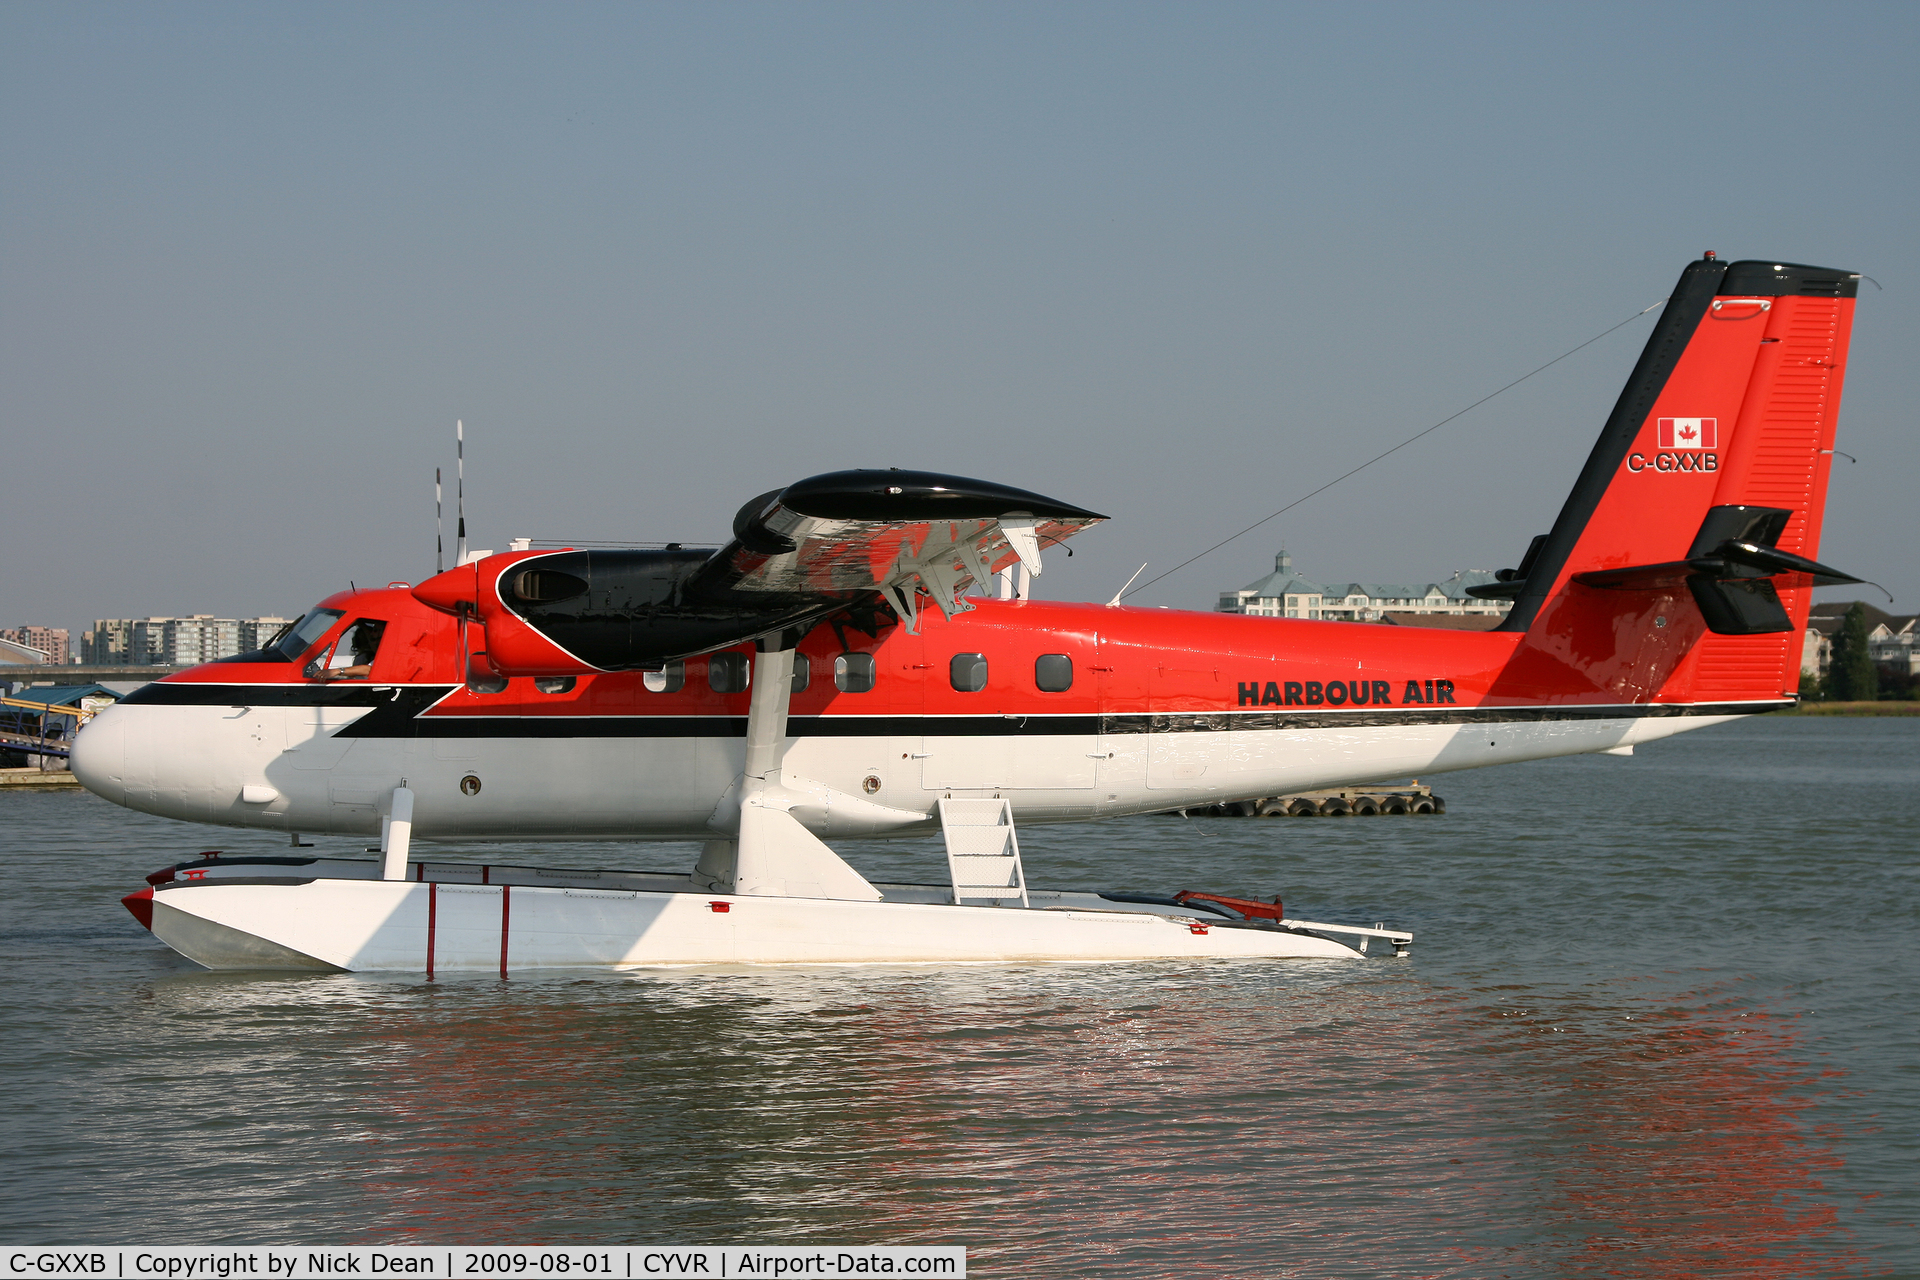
[
  {"x": 1189, "y": 746},
  {"x": 1124, "y": 721},
  {"x": 1163, "y": 718}
]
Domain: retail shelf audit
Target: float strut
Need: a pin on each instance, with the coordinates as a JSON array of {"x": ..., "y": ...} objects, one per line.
[{"x": 396, "y": 834}]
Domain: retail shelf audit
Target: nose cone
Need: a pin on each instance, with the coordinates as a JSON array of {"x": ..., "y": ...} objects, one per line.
[{"x": 99, "y": 756}]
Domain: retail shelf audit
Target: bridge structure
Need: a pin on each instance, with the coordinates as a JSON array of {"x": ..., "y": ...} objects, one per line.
[{"x": 20, "y": 674}]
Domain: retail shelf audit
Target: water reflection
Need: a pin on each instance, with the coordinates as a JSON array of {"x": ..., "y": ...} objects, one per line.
[
  {"x": 1522, "y": 1098},
  {"x": 1129, "y": 1120},
  {"x": 1677, "y": 1142}
]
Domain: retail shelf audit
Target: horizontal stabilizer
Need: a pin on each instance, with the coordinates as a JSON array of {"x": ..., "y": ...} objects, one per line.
[
  {"x": 1729, "y": 570},
  {"x": 1773, "y": 560}
]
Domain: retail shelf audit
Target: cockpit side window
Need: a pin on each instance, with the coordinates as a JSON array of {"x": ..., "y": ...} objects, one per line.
[
  {"x": 294, "y": 640},
  {"x": 353, "y": 654}
]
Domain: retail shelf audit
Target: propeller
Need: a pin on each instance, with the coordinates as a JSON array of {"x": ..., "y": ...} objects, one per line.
[{"x": 460, "y": 492}]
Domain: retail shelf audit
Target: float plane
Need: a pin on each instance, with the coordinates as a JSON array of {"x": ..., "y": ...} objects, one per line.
[{"x": 835, "y": 671}]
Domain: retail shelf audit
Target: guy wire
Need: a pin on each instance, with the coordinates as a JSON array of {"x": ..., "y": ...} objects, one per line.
[{"x": 1389, "y": 453}]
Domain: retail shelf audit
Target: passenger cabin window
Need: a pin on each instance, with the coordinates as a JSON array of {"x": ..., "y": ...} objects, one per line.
[
  {"x": 853, "y": 673},
  {"x": 299, "y": 637},
  {"x": 353, "y": 653},
  {"x": 802, "y": 673},
  {"x": 668, "y": 677},
  {"x": 968, "y": 671},
  {"x": 1053, "y": 672},
  {"x": 553, "y": 684},
  {"x": 727, "y": 673}
]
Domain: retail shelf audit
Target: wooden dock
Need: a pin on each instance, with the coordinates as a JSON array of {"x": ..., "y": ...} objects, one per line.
[{"x": 37, "y": 780}]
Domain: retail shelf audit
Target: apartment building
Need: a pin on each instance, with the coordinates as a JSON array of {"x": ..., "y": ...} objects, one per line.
[
  {"x": 174, "y": 642},
  {"x": 51, "y": 641}
]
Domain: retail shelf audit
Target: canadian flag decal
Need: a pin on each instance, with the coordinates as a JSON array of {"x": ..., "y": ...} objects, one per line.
[{"x": 1689, "y": 433}]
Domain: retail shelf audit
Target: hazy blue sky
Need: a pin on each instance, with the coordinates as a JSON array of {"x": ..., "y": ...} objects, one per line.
[{"x": 1179, "y": 263}]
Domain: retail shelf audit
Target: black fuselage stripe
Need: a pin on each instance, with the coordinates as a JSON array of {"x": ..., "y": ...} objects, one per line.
[
  {"x": 397, "y": 712},
  {"x": 166, "y": 693}
]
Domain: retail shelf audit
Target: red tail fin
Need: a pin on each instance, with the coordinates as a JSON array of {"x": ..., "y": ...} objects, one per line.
[{"x": 1680, "y": 567}]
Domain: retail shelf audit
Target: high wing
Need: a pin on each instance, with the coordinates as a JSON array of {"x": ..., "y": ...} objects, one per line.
[
  {"x": 898, "y": 532},
  {"x": 859, "y": 543}
]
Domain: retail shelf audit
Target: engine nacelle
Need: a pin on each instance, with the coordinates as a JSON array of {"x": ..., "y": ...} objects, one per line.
[
  {"x": 561, "y": 613},
  {"x": 502, "y": 642}
]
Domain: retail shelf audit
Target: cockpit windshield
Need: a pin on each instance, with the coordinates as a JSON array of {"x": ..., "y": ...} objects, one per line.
[{"x": 296, "y": 639}]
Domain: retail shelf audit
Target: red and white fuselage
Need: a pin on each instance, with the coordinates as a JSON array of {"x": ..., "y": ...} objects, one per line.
[{"x": 1165, "y": 710}]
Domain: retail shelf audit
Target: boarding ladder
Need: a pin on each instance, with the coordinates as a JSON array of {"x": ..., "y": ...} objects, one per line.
[{"x": 983, "y": 854}]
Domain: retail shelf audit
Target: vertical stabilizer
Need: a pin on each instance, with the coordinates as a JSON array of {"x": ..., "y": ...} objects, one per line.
[{"x": 1698, "y": 512}]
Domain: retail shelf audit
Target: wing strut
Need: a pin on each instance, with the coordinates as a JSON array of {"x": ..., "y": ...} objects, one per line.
[{"x": 771, "y": 854}]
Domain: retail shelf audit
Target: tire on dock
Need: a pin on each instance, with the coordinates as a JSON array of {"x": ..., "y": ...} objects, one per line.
[{"x": 1346, "y": 802}]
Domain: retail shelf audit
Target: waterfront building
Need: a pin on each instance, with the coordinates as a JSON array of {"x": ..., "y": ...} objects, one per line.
[
  {"x": 255, "y": 632},
  {"x": 51, "y": 641},
  {"x": 1287, "y": 594},
  {"x": 1890, "y": 638},
  {"x": 1816, "y": 645},
  {"x": 1891, "y": 644}
]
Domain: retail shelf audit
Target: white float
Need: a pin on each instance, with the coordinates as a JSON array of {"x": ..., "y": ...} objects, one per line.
[{"x": 766, "y": 891}]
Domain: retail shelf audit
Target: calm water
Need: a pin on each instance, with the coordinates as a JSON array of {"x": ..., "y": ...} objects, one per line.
[{"x": 1661, "y": 1020}]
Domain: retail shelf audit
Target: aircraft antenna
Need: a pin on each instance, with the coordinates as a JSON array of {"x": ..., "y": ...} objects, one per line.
[
  {"x": 1115, "y": 602},
  {"x": 439, "y": 528},
  {"x": 460, "y": 492}
]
